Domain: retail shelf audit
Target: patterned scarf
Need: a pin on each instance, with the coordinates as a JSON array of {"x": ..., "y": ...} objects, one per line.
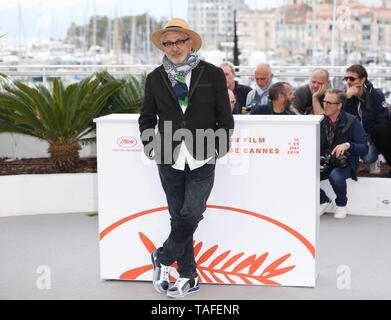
[
  {"x": 330, "y": 132},
  {"x": 177, "y": 76}
]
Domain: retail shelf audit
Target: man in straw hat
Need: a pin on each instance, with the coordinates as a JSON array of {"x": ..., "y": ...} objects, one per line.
[{"x": 188, "y": 99}]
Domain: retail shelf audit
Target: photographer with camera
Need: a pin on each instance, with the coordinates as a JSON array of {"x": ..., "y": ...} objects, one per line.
[
  {"x": 343, "y": 141},
  {"x": 280, "y": 96}
]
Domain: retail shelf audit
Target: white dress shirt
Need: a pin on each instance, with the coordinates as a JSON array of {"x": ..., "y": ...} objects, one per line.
[{"x": 184, "y": 154}]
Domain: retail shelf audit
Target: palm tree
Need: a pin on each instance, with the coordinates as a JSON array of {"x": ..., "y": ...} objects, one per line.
[
  {"x": 129, "y": 98},
  {"x": 61, "y": 117}
]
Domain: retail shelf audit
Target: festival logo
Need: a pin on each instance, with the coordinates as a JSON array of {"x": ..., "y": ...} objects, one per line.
[
  {"x": 212, "y": 273},
  {"x": 266, "y": 252},
  {"x": 126, "y": 142}
]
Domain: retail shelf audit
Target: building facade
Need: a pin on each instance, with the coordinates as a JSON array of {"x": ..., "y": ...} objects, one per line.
[
  {"x": 214, "y": 20},
  {"x": 300, "y": 29}
]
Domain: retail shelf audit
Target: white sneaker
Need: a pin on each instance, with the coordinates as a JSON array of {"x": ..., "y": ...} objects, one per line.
[
  {"x": 327, "y": 207},
  {"x": 161, "y": 275},
  {"x": 374, "y": 167},
  {"x": 340, "y": 212},
  {"x": 182, "y": 287}
]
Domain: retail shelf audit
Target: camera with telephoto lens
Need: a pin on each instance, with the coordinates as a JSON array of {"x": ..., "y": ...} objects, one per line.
[
  {"x": 250, "y": 106},
  {"x": 330, "y": 161}
]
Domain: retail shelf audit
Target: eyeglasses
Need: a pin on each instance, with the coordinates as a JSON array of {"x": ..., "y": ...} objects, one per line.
[
  {"x": 350, "y": 78},
  {"x": 328, "y": 102},
  {"x": 179, "y": 43}
]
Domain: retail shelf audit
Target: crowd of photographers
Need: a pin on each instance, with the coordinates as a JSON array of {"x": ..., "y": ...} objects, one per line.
[{"x": 356, "y": 123}]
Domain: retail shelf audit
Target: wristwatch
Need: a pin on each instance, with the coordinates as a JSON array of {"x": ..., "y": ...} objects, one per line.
[{"x": 348, "y": 144}]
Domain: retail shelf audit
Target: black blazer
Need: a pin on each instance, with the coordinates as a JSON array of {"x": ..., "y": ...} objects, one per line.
[{"x": 208, "y": 111}]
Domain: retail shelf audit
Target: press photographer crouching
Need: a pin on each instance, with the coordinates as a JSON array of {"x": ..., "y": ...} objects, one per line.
[{"x": 343, "y": 141}]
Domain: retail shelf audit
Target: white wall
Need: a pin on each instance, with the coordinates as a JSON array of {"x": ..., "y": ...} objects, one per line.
[
  {"x": 366, "y": 196},
  {"x": 20, "y": 146},
  {"x": 28, "y": 194}
]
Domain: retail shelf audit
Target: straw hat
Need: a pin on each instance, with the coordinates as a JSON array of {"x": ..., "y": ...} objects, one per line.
[{"x": 177, "y": 24}]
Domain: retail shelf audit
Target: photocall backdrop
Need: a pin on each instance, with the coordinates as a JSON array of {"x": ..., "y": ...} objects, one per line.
[{"x": 261, "y": 225}]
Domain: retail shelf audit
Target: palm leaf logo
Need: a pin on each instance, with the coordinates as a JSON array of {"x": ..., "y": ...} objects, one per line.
[{"x": 213, "y": 268}]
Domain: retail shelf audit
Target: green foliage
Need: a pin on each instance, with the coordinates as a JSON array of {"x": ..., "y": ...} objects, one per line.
[
  {"x": 79, "y": 34},
  {"x": 60, "y": 116},
  {"x": 128, "y": 99},
  {"x": 3, "y": 78}
]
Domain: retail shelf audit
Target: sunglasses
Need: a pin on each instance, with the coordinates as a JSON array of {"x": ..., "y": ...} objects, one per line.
[
  {"x": 351, "y": 79},
  {"x": 325, "y": 102},
  {"x": 178, "y": 43}
]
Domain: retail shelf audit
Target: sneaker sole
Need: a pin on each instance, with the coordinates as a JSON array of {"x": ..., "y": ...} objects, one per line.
[
  {"x": 178, "y": 296},
  {"x": 329, "y": 209}
]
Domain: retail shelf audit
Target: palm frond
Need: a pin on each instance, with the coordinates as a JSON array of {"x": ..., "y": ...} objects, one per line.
[
  {"x": 128, "y": 99},
  {"x": 58, "y": 116}
]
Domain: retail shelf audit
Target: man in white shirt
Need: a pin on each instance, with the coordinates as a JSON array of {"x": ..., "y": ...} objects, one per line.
[{"x": 184, "y": 96}]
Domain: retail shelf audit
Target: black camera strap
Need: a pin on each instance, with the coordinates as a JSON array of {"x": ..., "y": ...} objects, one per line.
[{"x": 348, "y": 124}]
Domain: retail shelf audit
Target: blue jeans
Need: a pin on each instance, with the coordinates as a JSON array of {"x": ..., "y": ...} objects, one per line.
[
  {"x": 187, "y": 192},
  {"x": 372, "y": 154},
  {"x": 337, "y": 178}
]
